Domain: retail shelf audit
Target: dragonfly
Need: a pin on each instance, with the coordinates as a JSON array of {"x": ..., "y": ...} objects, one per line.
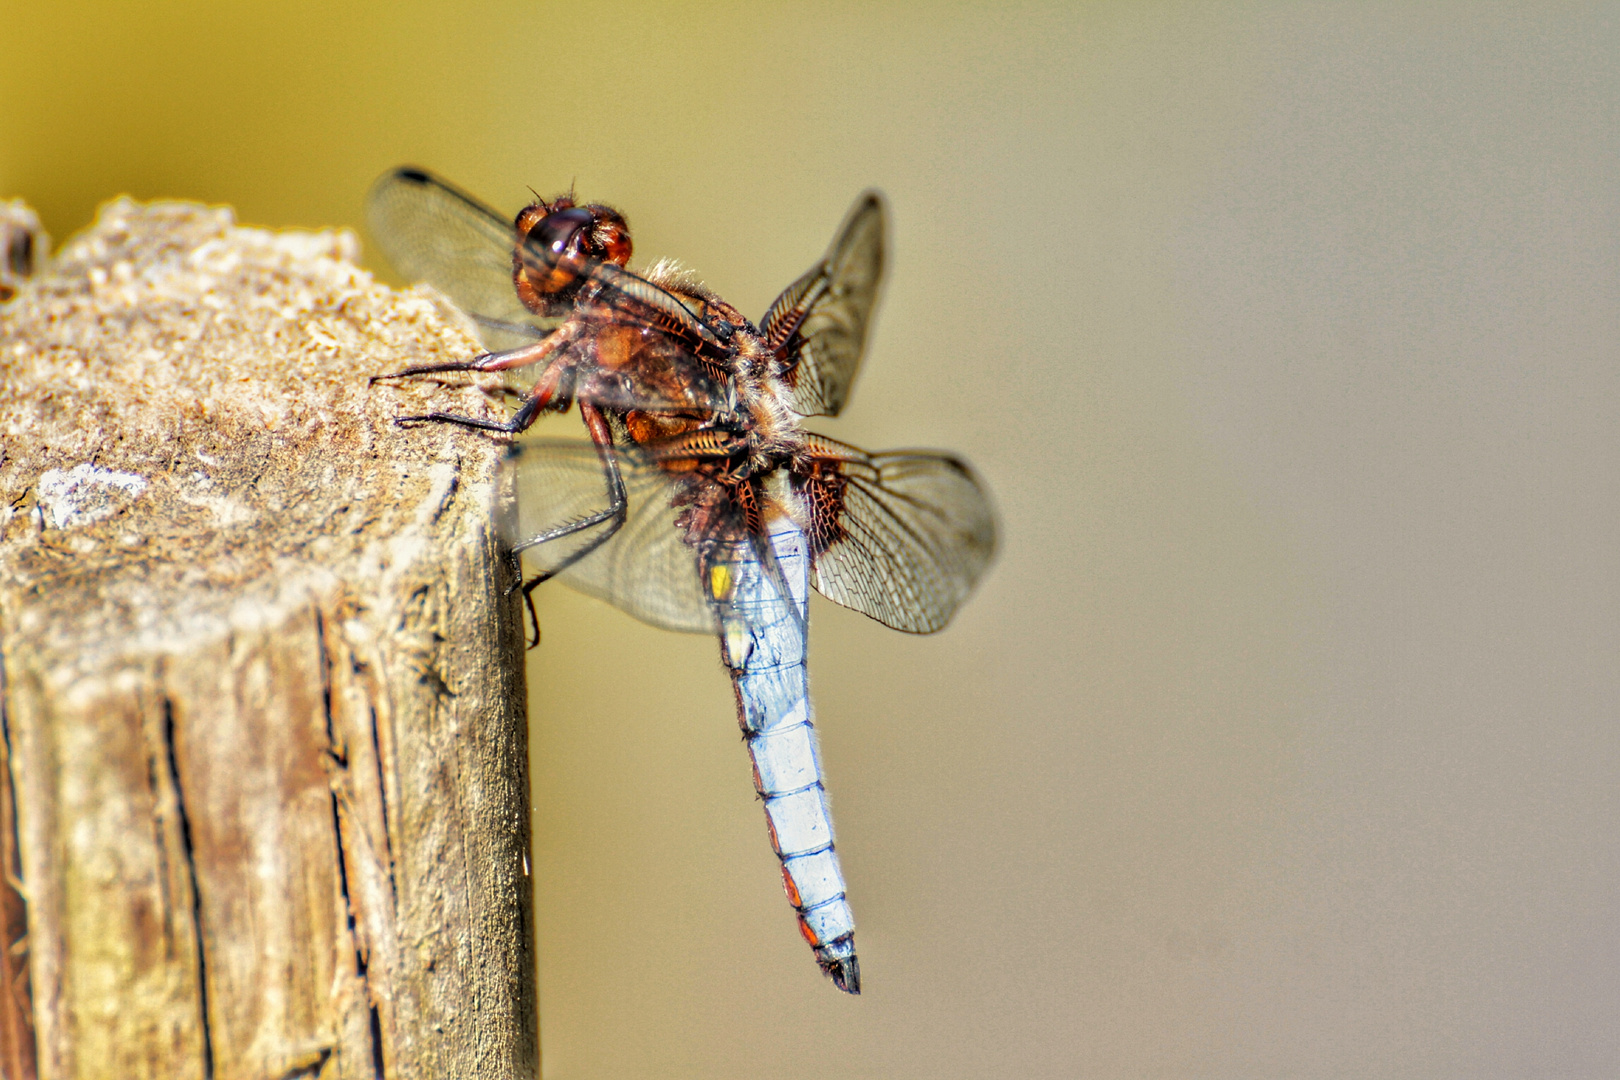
[{"x": 698, "y": 503}]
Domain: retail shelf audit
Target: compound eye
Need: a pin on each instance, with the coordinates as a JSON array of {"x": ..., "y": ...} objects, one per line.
[{"x": 557, "y": 234}]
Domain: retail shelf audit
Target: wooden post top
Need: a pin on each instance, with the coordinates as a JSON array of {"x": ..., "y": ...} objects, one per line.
[
  {"x": 186, "y": 420},
  {"x": 263, "y": 694}
]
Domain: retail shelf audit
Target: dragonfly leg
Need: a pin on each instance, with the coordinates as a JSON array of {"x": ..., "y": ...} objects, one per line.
[
  {"x": 430, "y": 369},
  {"x": 547, "y": 393},
  {"x": 515, "y": 559},
  {"x": 520, "y": 419},
  {"x": 495, "y": 361},
  {"x": 613, "y": 516}
]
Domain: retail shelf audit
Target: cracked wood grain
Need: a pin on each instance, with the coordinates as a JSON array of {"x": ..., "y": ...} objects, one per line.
[{"x": 264, "y": 803}]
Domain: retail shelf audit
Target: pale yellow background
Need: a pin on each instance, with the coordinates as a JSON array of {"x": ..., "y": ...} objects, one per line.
[{"x": 1282, "y": 741}]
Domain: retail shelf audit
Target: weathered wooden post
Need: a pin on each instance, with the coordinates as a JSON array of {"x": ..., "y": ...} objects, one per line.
[{"x": 265, "y": 805}]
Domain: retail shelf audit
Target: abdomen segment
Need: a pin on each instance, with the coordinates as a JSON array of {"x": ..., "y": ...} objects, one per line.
[{"x": 762, "y": 634}]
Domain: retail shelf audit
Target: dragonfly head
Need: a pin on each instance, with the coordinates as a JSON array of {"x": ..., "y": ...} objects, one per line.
[
  {"x": 557, "y": 242},
  {"x": 551, "y": 235}
]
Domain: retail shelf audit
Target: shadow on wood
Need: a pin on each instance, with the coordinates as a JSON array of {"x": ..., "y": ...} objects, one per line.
[{"x": 264, "y": 712}]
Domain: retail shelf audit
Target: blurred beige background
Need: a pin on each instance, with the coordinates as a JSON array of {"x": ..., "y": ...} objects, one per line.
[{"x": 1282, "y": 741}]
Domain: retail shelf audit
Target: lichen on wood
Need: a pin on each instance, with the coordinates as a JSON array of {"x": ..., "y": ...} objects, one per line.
[{"x": 263, "y": 702}]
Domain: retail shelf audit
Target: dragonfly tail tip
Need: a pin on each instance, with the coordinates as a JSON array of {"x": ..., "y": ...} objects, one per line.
[{"x": 846, "y": 974}]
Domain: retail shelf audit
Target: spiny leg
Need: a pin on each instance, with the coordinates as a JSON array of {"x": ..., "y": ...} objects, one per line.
[
  {"x": 614, "y": 515},
  {"x": 546, "y": 393},
  {"x": 491, "y": 361},
  {"x": 475, "y": 364},
  {"x": 520, "y": 419}
]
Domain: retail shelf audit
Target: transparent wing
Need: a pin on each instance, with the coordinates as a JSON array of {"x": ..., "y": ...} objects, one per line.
[
  {"x": 818, "y": 325},
  {"x": 646, "y": 568},
  {"x": 432, "y": 231},
  {"x": 902, "y": 537}
]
